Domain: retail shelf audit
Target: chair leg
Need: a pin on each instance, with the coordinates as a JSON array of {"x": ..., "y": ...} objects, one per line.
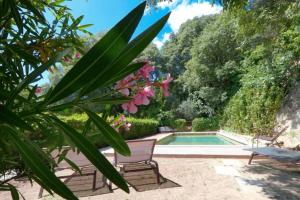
[
  {"x": 41, "y": 192},
  {"x": 94, "y": 179},
  {"x": 251, "y": 158},
  {"x": 156, "y": 170}
]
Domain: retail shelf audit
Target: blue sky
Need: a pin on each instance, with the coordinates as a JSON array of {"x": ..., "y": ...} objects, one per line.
[{"x": 103, "y": 14}]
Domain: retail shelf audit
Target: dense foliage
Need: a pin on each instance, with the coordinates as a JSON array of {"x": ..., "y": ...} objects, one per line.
[
  {"x": 140, "y": 128},
  {"x": 237, "y": 65},
  {"x": 179, "y": 124},
  {"x": 205, "y": 124}
]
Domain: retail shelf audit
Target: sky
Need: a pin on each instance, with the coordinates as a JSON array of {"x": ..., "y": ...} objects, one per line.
[{"x": 104, "y": 14}]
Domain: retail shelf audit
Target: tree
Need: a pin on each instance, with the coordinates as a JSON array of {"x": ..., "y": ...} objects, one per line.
[
  {"x": 30, "y": 45},
  {"x": 212, "y": 72}
]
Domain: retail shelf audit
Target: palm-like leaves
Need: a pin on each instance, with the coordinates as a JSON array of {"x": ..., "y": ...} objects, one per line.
[{"x": 107, "y": 62}]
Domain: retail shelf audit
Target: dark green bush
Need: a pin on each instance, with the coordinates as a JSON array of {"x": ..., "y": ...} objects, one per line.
[
  {"x": 253, "y": 110},
  {"x": 179, "y": 124},
  {"x": 165, "y": 118},
  {"x": 140, "y": 128},
  {"x": 205, "y": 124}
]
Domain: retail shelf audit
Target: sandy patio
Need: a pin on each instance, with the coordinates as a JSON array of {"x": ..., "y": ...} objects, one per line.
[{"x": 198, "y": 178}]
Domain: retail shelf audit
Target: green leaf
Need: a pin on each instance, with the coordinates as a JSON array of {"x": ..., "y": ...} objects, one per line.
[
  {"x": 38, "y": 167},
  {"x": 14, "y": 192},
  {"x": 112, "y": 137},
  {"x": 86, "y": 127},
  {"x": 15, "y": 13},
  {"x": 98, "y": 57},
  {"x": 82, "y": 27},
  {"x": 92, "y": 154},
  {"x": 33, "y": 9},
  {"x": 32, "y": 76},
  {"x": 134, "y": 48},
  {"x": 110, "y": 100},
  {"x": 124, "y": 72},
  {"x": 98, "y": 100},
  {"x": 7, "y": 116},
  {"x": 73, "y": 165},
  {"x": 23, "y": 54},
  {"x": 4, "y": 8}
]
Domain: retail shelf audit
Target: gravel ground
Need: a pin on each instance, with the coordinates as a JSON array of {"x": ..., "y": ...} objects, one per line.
[{"x": 201, "y": 179}]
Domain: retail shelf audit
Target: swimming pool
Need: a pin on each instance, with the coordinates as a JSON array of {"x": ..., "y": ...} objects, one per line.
[{"x": 196, "y": 139}]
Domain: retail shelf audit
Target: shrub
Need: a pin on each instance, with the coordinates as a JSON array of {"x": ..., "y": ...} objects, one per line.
[
  {"x": 140, "y": 128},
  {"x": 179, "y": 124},
  {"x": 205, "y": 124},
  {"x": 253, "y": 109},
  {"x": 165, "y": 118}
]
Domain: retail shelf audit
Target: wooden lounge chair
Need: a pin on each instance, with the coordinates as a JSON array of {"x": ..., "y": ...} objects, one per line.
[
  {"x": 279, "y": 154},
  {"x": 141, "y": 152},
  {"x": 81, "y": 161},
  {"x": 271, "y": 141}
]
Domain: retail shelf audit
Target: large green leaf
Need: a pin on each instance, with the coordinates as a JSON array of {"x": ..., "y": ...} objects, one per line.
[
  {"x": 15, "y": 14},
  {"x": 124, "y": 72},
  {"x": 30, "y": 7},
  {"x": 93, "y": 154},
  {"x": 98, "y": 57},
  {"x": 98, "y": 100},
  {"x": 112, "y": 137},
  {"x": 38, "y": 167},
  {"x": 133, "y": 49}
]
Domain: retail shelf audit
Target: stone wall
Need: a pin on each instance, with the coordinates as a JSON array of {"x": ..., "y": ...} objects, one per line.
[{"x": 289, "y": 115}]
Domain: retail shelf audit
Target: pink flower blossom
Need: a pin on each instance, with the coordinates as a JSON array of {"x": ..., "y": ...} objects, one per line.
[
  {"x": 38, "y": 90},
  {"x": 77, "y": 55},
  {"x": 122, "y": 118},
  {"x": 149, "y": 92},
  {"x": 124, "y": 91},
  {"x": 130, "y": 107},
  {"x": 165, "y": 85},
  {"x": 127, "y": 126},
  {"x": 123, "y": 85},
  {"x": 141, "y": 98},
  {"x": 145, "y": 70},
  {"x": 66, "y": 59}
]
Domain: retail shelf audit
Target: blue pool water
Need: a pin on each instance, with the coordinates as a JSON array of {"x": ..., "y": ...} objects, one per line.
[{"x": 192, "y": 139}]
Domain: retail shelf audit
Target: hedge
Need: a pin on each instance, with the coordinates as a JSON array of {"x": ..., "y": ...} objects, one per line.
[
  {"x": 179, "y": 124},
  {"x": 205, "y": 124},
  {"x": 139, "y": 128}
]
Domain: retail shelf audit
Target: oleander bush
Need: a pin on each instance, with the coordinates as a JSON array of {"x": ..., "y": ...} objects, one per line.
[
  {"x": 179, "y": 124},
  {"x": 205, "y": 124}
]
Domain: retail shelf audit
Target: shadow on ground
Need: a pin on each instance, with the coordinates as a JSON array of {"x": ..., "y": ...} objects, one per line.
[
  {"x": 277, "y": 180},
  {"x": 147, "y": 180}
]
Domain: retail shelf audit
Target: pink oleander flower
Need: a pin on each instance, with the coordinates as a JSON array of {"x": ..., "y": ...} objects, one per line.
[
  {"x": 141, "y": 98},
  {"x": 145, "y": 70},
  {"x": 77, "y": 55},
  {"x": 38, "y": 90},
  {"x": 130, "y": 107},
  {"x": 122, "y": 118},
  {"x": 165, "y": 85},
  {"x": 123, "y": 85},
  {"x": 127, "y": 126},
  {"x": 66, "y": 59}
]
